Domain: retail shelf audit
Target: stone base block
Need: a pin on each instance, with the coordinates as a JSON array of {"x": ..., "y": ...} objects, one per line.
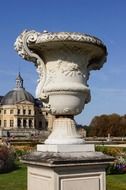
[{"x": 66, "y": 148}]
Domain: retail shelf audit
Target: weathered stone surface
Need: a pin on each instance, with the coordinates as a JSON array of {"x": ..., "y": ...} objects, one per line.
[
  {"x": 67, "y": 171},
  {"x": 63, "y": 61},
  {"x": 52, "y": 158}
]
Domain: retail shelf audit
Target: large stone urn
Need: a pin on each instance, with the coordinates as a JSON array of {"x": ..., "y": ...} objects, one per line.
[{"x": 63, "y": 61}]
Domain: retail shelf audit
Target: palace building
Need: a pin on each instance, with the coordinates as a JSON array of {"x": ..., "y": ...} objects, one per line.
[{"x": 20, "y": 110}]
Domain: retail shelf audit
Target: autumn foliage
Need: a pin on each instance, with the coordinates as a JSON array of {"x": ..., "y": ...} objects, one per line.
[{"x": 113, "y": 124}]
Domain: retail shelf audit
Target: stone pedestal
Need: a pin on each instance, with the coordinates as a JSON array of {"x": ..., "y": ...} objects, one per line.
[{"x": 74, "y": 170}]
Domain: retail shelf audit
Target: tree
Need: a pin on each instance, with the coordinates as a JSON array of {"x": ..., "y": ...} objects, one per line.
[{"x": 113, "y": 124}]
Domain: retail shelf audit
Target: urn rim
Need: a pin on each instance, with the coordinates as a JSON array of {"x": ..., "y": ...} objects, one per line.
[
  {"x": 31, "y": 44},
  {"x": 53, "y": 39},
  {"x": 47, "y": 37}
]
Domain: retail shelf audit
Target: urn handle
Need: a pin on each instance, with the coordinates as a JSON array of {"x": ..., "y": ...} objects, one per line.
[{"x": 22, "y": 46}]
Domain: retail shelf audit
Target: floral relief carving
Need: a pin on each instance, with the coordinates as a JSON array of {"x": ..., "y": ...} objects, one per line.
[
  {"x": 69, "y": 36},
  {"x": 70, "y": 69}
]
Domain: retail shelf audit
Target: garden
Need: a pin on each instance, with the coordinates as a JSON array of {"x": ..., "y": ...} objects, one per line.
[{"x": 13, "y": 174}]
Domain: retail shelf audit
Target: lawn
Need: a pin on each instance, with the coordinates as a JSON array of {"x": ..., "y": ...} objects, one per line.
[
  {"x": 17, "y": 180},
  {"x": 116, "y": 182}
]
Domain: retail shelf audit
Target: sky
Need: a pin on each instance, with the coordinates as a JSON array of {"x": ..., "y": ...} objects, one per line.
[{"x": 105, "y": 19}]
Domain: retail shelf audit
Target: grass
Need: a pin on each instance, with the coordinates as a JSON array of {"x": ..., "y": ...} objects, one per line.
[
  {"x": 116, "y": 182},
  {"x": 17, "y": 180}
]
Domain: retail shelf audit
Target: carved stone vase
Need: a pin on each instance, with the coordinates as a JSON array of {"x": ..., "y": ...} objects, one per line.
[{"x": 63, "y": 61}]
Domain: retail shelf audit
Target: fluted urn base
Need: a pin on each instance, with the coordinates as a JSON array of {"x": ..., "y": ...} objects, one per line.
[{"x": 64, "y": 132}]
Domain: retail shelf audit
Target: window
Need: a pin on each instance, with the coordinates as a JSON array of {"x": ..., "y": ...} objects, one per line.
[
  {"x": 35, "y": 123},
  {"x": 30, "y": 123},
  {"x": 24, "y": 112},
  {"x": 40, "y": 112},
  {"x": 19, "y": 123},
  {"x": 4, "y": 111},
  {"x": 29, "y": 112},
  {"x": 40, "y": 124},
  {"x": 24, "y": 123},
  {"x": 18, "y": 111},
  {"x": 11, "y": 123},
  {"x": 11, "y": 111},
  {"x": 5, "y": 123}
]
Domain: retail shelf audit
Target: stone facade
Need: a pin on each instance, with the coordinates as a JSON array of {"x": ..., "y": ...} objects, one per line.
[{"x": 22, "y": 115}]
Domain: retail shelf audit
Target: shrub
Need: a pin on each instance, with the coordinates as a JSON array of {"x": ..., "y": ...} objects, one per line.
[
  {"x": 112, "y": 151},
  {"x": 119, "y": 166},
  {"x": 7, "y": 159},
  {"x": 21, "y": 150}
]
